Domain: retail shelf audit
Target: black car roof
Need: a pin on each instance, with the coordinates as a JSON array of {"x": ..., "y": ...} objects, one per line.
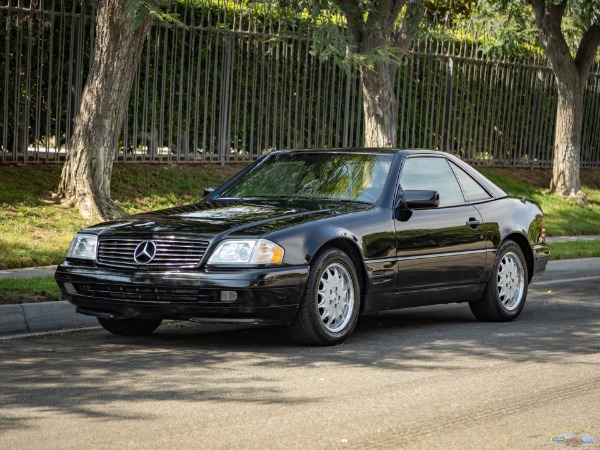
[{"x": 356, "y": 150}]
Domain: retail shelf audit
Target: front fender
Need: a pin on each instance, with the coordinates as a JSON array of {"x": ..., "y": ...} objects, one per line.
[{"x": 371, "y": 232}]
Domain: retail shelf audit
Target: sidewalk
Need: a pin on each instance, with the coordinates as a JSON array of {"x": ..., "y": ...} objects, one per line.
[
  {"x": 49, "y": 316},
  {"x": 38, "y": 317}
]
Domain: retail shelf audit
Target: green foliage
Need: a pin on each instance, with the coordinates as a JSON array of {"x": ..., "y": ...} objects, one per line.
[
  {"x": 501, "y": 31},
  {"x": 449, "y": 12},
  {"x": 586, "y": 11},
  {"x": 519, "y": 25},
  {"x": 140, "y": 9}
]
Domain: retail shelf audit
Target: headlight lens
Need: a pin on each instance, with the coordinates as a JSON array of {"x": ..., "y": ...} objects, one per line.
[
  {"x": 248, "y": 251},
  {"x": 83, "y": 246}
]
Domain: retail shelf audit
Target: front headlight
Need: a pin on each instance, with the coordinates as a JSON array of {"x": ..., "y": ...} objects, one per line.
[
  {"x": 247, "y": 251},
  {"x": 83, "y": 246}
]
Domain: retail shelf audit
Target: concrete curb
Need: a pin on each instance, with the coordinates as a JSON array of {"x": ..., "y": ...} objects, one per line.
[
  {"x": 49, "y": 316},
  {"x": 572, "y": 268},
  {"x": 37, "y": 317}
]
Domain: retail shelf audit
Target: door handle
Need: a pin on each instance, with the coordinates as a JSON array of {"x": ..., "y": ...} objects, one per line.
[{"x": 473, "y": 222}]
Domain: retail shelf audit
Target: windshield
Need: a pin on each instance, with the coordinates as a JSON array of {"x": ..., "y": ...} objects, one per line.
[{"x": 335, "y": 176}]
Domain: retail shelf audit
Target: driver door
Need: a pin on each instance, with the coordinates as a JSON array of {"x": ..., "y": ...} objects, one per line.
[{"x": 439, "y": 250}]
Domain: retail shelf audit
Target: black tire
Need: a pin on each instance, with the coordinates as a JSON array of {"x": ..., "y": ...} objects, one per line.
[
  {"x": 506, "y": 291},
  {"x": 334, "y": 320},
  {"x": 129, "y": 327}
]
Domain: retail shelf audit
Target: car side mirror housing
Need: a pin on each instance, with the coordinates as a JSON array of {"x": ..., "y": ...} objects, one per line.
[
  {"x": 421, "y": 199},
  {"x": 208, "y": 191}
]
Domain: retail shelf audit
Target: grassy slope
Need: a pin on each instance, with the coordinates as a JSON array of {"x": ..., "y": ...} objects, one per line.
[{"x": 35, "y": 230}]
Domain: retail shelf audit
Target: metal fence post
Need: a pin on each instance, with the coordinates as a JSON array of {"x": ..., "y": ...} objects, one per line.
[
  {"x": 224, "y": 139},
  {"x": 537, "y": 112},
  {"x": 448, "y": 105}
]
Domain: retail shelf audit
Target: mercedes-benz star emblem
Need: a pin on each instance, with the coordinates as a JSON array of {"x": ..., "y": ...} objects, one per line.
[{"x": 144, "y": 252}]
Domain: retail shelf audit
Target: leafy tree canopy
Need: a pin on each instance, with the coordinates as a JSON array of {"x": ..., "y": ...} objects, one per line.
[
  {"x": 449, "y": 12},
  {"x": 514, "y": 23}
]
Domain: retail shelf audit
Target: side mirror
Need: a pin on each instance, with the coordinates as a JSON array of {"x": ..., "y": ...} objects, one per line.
[
  {"x": 208, "y": 191},
  {"x": 421, "y": 199}
]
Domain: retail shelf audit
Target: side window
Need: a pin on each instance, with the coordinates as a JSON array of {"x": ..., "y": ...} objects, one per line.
[
  {"x": 433, "y": 174},
  {"x": 471, "y": 188}
]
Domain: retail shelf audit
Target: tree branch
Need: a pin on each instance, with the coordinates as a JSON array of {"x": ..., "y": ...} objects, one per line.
[
  {"x": 384, "y": 13},
  {"x": 548, "y": 18},
  {"x": 412, "y": 19},
  {"x": 354, "y": 16},
  {"x": 587, "y": 50}
]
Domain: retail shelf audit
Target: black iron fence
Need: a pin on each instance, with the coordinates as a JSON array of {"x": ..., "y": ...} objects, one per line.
[{"x": 229, "y": 87}]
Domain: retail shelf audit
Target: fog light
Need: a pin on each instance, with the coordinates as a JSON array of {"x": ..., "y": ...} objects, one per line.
[
  {"x": 228, "y": 296},
  {"x": 70, "y": 288}
]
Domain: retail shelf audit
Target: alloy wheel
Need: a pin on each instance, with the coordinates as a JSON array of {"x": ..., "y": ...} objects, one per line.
[
  {"x": 511, "y": 281},
  {"x": 335, "y": 297}
]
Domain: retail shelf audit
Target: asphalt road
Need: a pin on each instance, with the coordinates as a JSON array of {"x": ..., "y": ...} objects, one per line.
[{"x": 421, "y": 378}]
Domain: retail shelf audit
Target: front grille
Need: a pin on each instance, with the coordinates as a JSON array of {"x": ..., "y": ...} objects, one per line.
[
  {"x": 170, "y": 253},
  {"x": 145, "y": 293}
]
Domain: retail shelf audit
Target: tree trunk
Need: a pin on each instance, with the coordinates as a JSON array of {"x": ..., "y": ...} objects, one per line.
[
  {"x": 380, "y": 105},
  {"x": 567, "y": 141},
  {"x": 86, "y": 175},
  {"x": 374, "y": 34},
  {"x": 571, "y": 76}
]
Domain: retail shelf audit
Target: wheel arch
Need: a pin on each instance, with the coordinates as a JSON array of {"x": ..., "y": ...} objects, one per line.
[{"x": 523, "y": 243}]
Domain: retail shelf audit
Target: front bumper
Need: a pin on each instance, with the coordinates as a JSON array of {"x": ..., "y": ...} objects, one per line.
[{"x": 265, "y": 295}]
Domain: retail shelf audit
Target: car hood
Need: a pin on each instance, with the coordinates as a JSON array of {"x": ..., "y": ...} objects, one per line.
[{"x": 241, "y": 218}]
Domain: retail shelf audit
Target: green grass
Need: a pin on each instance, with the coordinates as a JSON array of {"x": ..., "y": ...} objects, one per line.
[
  {"x": 35, "y": 230},
  {"x": 570, "y": 250},
  {"x": 28, "y": 290}
]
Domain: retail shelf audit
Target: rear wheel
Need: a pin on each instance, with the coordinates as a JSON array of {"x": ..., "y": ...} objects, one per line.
[
  {"x": 329, "y": 307},
  {"x": 506, "y": 290},
  {"x": 129, "y": 327}
]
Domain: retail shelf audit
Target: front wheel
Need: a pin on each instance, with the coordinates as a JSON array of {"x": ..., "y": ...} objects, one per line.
[
  {"x": 506, "y": 290},
  {"x": 330, "y": 305},
  {"x": 129, "y": 327}
]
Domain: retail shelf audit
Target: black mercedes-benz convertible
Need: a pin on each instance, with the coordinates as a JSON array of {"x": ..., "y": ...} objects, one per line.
[{"x": 312, "y": 239}]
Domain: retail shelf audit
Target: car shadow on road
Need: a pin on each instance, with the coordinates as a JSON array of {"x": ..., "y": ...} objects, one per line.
[{"x": 83, "y": 372}]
